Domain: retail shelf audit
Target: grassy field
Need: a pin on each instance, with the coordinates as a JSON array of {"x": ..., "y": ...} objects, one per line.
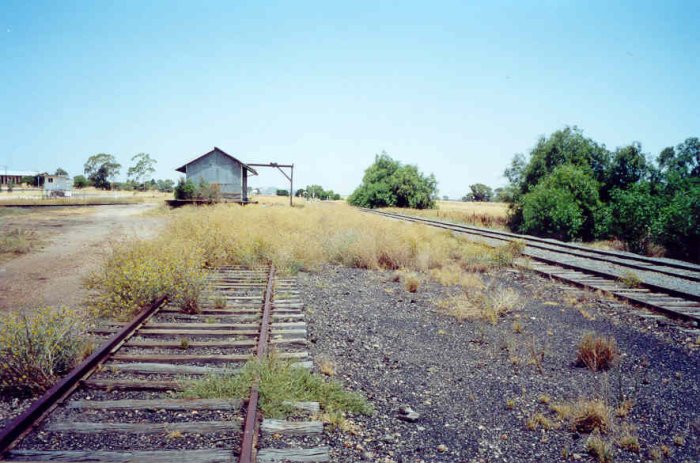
[{"x": 489, "y": 215}]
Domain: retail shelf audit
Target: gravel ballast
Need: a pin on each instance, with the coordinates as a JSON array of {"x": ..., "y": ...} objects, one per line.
[{"x": 475, "y": 385}]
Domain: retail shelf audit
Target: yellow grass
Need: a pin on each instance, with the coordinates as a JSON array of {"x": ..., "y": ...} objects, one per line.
[
  {"x": 293, "y": 239},
  {"x": 490, "y": 215}
]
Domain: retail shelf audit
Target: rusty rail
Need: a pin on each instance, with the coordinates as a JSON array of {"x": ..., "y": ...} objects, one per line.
[
  {"x": 250, "y": 428},
  {"x": 36, "y": 412}
]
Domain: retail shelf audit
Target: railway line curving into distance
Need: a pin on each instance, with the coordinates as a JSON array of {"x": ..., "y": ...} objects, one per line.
[
  {"x": 122, "y": 404},
  {"x": 668, "y": 286}
]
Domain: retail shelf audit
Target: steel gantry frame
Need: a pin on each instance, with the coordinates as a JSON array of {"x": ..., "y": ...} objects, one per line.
[{"x": 279, "y": 167}]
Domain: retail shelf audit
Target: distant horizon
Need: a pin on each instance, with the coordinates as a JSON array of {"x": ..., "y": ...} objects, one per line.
[{"x": 456, "y": 89}]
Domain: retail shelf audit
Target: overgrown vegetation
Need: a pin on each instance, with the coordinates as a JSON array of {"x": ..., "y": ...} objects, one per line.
[
  {"x": 279, "y": 383},
  {"x": 38, "y": 348},
  {"x": 388, "y": 183},
  {"x": 573, "y": 188},
  {"x": 489, "y": 304},
  {"x": 137, "y": 273},
  {"x": 203, "y": 191}
]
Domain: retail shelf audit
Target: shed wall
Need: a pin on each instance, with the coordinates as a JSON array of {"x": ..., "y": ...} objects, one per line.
[{"x": 217, "y": 168}]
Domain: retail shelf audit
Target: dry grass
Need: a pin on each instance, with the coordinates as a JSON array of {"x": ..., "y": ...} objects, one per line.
[
  {"x": 488, "y": 215},
  {"x": 411, "y": 282},
  {"x": 326, "y": 366},
  {"x": 68, "y": 202},
  {"x": 539, "y": 421},
  {"x": 489, "y": 304},
  {"x": 599, "y": 449},
  {"x": 585, "y": 415},
  {"x": 18, "y": 241},
  {"x": 293, "y": 239},
  {"x": 596, "y": 352}
]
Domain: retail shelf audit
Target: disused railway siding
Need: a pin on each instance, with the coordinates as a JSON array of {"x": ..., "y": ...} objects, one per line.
[{"x": 127, "y": 408}]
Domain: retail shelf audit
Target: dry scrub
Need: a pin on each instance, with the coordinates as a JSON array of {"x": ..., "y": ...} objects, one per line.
[
  {"x": 293, "y": 239},
  {"x": 36, "y": 349},
  {"x": 479, "y": 302}
]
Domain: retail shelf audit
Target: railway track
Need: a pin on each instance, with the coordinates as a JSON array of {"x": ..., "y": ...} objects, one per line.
[
  {"x": 668, "y": 286},
  {"x": 122, "y": 403}
]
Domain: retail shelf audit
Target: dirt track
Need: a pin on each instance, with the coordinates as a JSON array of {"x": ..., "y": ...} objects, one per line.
[{"x": 75, "y": 242}]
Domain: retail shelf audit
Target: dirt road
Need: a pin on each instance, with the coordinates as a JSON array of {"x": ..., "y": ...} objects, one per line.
[{"x": 76, "y": 240}]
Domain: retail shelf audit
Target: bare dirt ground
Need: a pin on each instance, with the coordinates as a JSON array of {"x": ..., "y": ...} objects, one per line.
[{"x": 73, "y": 242}]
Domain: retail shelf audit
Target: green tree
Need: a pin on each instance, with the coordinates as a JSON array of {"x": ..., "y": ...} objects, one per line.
[
  {"x": 61, "y": 171},
  {"x": 144, "y": 166},
  {"x": 563, "y": 205},
  {"x": 631, "y": 215},
  {"x": 389, "y": 183},
  {"x": 566, "y": 146},
  {"x": 282, "y": 193},
  {"x": 80, "y": 181},
  {"x": 480, "y": 192},
  {"x": 165, "y": 186},
  {"x": 627, "y": 167},
  {"x": 678, "y": 225},
  {"x": 100, "y": 169}
]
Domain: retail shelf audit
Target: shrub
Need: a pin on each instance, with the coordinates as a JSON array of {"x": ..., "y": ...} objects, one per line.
[
  {"x": 631, "y": 216},
  {"x": 596, "y": 352},
  {"x": 36, "y": 349},
  {"x": 599, "y": 449},
  {"x": 137, "y": 273},
  {"x": 678, "y": 225},
  {"x": 562, "y": 205},
  {"x": 630, "y": 279},
  {"x": 80, "y": 181},
  {"x": 185, "y": 189}
]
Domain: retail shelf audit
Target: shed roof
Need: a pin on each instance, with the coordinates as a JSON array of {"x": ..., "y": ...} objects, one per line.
[
  {"x": 19, "y": 173},
  {"x": 183, "y": 169}
]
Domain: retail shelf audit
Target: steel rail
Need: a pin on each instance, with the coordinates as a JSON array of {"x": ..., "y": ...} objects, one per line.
[
  {"x": 547, "y": 244},
  {"x": 252, "y": 418},
  {"x": 31, "y": 417}
]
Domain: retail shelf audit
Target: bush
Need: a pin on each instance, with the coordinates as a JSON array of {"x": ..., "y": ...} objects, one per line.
[
  {"x": 678, "y": 224},
  {"x": 631, "y": 215},
  {"x": 388, "y": 183},
  {"x": 185, "y": 189},
  {"x": 282, "y": 193},
  {"x": 36, "y": 349},
  {"x": 562, "y": 205},
  {"x": 80, "y": 181},
  {"x": 138, "y": 273}
]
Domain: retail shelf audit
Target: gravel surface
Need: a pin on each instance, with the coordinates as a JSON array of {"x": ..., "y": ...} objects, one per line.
[{"x": 475, "y": 385}]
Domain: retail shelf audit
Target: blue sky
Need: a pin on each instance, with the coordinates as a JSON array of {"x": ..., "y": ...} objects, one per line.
[{"x": 454, "y": 87}]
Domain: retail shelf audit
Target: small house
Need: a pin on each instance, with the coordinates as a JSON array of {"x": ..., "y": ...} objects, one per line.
[
  {"x": 57, "y": 185},
  {"x": 220, "y": 168}
]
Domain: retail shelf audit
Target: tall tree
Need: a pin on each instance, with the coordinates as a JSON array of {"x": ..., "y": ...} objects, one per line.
[
  {"x": 61, "y": 171},
  {"x": 627, "y": 167},
  {"x": 143, "y": 167},
  {"x": 101, "y": 169},
  {"x": 389, "y": 183},
  {"x": 480, "y": 192}
]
